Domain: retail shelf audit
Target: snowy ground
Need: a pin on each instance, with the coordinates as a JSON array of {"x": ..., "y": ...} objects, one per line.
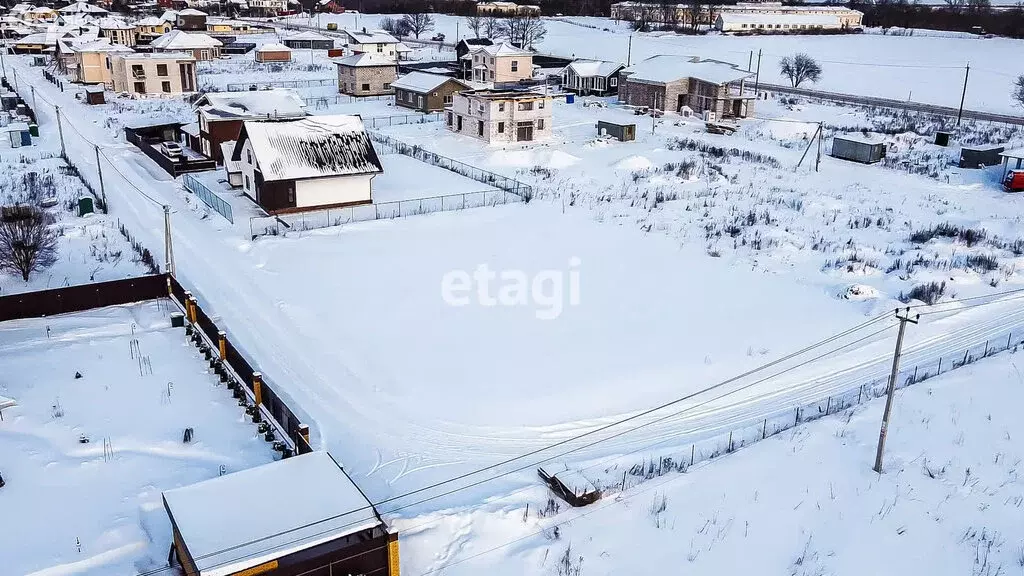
[
  {"x": 90, "y": 248},
  {"x": 804, "y": 502},
  {"x": 95, "y": 508},
  {"x": 920, "y": 68}
]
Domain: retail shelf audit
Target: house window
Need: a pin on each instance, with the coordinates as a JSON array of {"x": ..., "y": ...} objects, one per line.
[
  {"x": 501, "y": 127},
  {"x": 540, "y": 124},
  {"x": 165, "y": 87},
  {"x": 491, "y": 61},
  {"x": 458, "y": 123},
  {"x": 480, "y": 108},
  {"x": 247, "y": 182},
  {"x": 449, "y": 118},
  {"x": 248, "y": 156},
  {"x": 491, "y": 74},
  {"x": 448, "y": 98},
  {"x": 380, "y": 47},
  {"x": 501, "y": 106},
  {"x": 366, "y": 86},
  {"x": 540, "y": 104},
  {"x": 613, "y": 81},
  {"x": 140, "y": 87},
  {"x": 387, "y": 85},
  {"x": 204, "y": 54},
  {"x": 479, "y": 127},
  {"x": 161, "y": 69},
  {"x": 419, "y": 101},
  {"x": 515, "y": 66},
  {"x": 743, "y": 25},
  {"x": 291, "y": 194},
  {"x": 138, "y": 71},
  {"x": 525, "y": 106}
]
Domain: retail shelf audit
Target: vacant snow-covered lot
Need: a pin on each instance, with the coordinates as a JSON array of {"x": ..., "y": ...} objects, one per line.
[
  {"x": 96, "y": 435},
  {"x": 804, "y": 502}
]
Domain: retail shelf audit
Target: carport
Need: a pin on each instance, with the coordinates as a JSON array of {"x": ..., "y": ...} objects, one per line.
[{"x": 1016, "y": 156}]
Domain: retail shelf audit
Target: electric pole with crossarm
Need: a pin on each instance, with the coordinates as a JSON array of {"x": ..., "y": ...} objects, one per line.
[{"x": 891, "y": 391}]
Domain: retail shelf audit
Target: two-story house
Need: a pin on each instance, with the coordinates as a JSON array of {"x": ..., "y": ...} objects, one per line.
[
  {"x": 201, "y": 46},
  {"x": 500, "y": 115},
  {"x": 366, "y": 74},
  {"x": 501, "y": 64},
  {"x": 153, "y": 74},
  {"x": 151, "y": 28},
  {"x": 220, "y": 114},
  {"x": 373, "y": 42},
  {"x": 92, "y": 63},
  {"x": 117, "y": 31}
]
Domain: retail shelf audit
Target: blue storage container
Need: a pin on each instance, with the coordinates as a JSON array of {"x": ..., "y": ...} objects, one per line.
[{"x": 570, "y": 98}]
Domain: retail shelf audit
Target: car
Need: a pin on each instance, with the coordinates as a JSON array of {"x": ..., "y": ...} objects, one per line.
[
  {"x": 438, "y": 38},
  {"x": 171, "y": 149}
]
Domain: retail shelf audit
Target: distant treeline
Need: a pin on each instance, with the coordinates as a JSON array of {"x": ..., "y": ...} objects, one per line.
[{"x": 973, "y": 16}]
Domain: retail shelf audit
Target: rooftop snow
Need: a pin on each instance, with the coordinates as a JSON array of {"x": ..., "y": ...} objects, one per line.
[
  {"x": 6, "y": 402},
  {"x": 82, "y": 8},
  {"x": 861, "y": 138},
  {"x": 226, "y": 148},
  {"x": 191, "y": 12},
  {"x": 502, "y": 49},
  {"x": 308, "y": 35},
  {"x": 667, "y": 68},
  {"x": 178, "y": 40},
  {"x": 365, "y": 59},
  {"x": 150, "y": 21},
  {"x": 253, "y": 104},
  {"x": 157, "y": 56},
  {"x": 114, "y": 23},
  {"x": 594, "y": 67},
  {"x": 798, "y": 19},
  {"x": 1014, "y": 153},
  {"x": 311, "y": 147},
  {"x": 421, "y": 81},
  {"x": 273, "y": 47},
  {"x": 225, "y": 533},
  {"x": 373, "y": 37},
  {"x": 97, "y": 45}
]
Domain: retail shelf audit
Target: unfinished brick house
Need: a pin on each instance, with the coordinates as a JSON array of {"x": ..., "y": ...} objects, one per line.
[
  {"x": 671, "y": 82},
  {"x": 366, "y": 74},
  {"x": 500, "y": 115}
]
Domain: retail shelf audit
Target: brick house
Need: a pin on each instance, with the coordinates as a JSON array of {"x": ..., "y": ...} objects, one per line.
[
  {"x": 426, "y": 92},
  {"x": 366, "y": 74},
  {"x": 191, "y": 19},
  {"x": 500, "y": 64},
  {"x": 220, "y": 114},
  {"x": 500, "y": 115},
  {"x": 671, "y": 82},
  {"x": 201, "y": 46}
]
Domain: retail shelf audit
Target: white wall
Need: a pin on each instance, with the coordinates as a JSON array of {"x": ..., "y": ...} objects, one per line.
[
  {"x": 248, "y": 170},
  {"x": 335, "y": 190}
]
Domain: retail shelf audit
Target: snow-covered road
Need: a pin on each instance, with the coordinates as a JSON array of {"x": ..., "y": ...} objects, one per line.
[{"x": 314, "y": 372}]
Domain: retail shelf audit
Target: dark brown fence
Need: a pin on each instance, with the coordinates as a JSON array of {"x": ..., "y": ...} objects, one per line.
[
  {"x": 83, "y": 297},
  {"x": 244, "y": 369}
]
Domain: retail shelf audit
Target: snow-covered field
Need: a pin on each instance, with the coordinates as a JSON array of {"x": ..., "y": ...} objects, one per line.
[
  {"x": 89, "y": 249},
  {"x": 804, "y": 502},
  {"x": 85, "y": 459},
  {"x": 920, "y": 68}
]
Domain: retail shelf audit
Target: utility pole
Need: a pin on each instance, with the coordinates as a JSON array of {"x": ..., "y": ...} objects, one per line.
[
  {"x": 821, "y": 134},
  {"x": 891, "y": 391},
  {"x": 168, "y": 248},
  {"x": 34, "y": 108},
  {"x": 99, "y": 170},
  {"x": 629, "y": 50},
  {"x": 3, "y": 61},
  {"x": 60, "y": 131},
  {"x": 963, "y": 96},
  {"x": 757, "y": 75},
  {"x": 750, "y": 60}
]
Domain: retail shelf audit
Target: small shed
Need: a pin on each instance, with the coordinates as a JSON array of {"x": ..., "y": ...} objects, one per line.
[
  {"x": 980, "y": 156},
  {"x": 621, "y": 132},
  {"x": 308, "y": 40},
  {"x": 233, "y": 168},
  {"x": 569, "y": 485},
  {"x": 859, "y": 147},
  {"x": 1015, "y": 156},
  {"x": 19, "y": 134},
  {"x": 94, "y": 94},
  {"x": 300, "y": 515},
  {"x": 273, "y": 53}
]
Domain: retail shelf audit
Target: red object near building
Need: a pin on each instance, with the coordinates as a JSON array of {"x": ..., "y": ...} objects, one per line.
[{"x": 1014, "y": 181}]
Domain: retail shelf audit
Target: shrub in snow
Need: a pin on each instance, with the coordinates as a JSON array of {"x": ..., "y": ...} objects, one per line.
[
  {"x": 28, "y": 242},
  {"x": 928, "y": 293}
]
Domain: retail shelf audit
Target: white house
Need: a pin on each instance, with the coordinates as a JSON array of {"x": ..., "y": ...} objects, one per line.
[
  {"x": 307, "y": 163},
  {"x": 375, "y": 41},
  {"x": 787, "y": 22}
]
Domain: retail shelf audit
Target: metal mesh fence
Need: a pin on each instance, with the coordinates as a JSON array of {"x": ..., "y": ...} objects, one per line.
[
  {"x": 258, "y": 85},
  {"x": 209, "y": 197}
]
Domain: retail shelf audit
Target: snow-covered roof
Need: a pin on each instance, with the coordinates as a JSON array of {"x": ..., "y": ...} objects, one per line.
[
  {"x": 41, "y": 10},
  {"x": 371, "y": 37},
  {"x": 230, "y": 166},
  {"x": 6, "y": 402},
  {"x": 225, "y": 533},
  {"x": 277, "y": 103},
  {"x": 273, "y": 47},
  {"x": 311, "y": 147},
  {"x": 664, "y": 68},
  {"x": 156, "y": 56},
  {"x": 502, "y": 49},
  {"x": 191, "y": 129},
  {"x": 307, "y": 35},
  {"x": 422, "y": 82},
  {"x": 861, "y": 138},
  {"x": 151, "y": 21},
  {"x": 1014, "y": 153},
  {"x": 179, "y": 40},
  {"x": 191, "y": 12},
  {"x": 571, "y": 479},
  {"x": 740, "y": 18},
  {"x": 82, "y": 8},
  {"x": 588, "y": 68},
  {"x": 114, "y": 23},
  {"x": 169, "y": 16},
  {"x": 97, "y": 45},
  {"x": 365, "y": 59},
  {"x": 401, "y": 48}
]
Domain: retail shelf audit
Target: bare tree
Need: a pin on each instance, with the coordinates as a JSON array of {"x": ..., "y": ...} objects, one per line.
[
  {"x": 475, "y": 23},
  {"x": 800, "y": 68},
  {"x": 956, "y": 6},
  {"x": 27, "y": 243},
  {"x": 522, "y": 31},
  {"x": 491, "y": 27},
  {"x": 1018, "y": 91},
  {"x": 668, "y": 14},
  {"x": 418, "y": 23},
  {"x": 389, "y": 25}
]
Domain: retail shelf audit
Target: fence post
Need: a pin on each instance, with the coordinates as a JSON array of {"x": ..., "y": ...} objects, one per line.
[
  {"x": 914, "y": 381},
  {"x": 985, "y": 355},
  {"x": 257, "y": 391},
  {"x": 860, "y": 393},
  {"x": 1009, "y": 337},
  {"x": 940, "y": 366},
  {"x": 828, "y": 405},
  {"x": 764, "y": 429},
  {"x": 730, "y": 440},
  {"x": 222, "y": 344},
  {"x": 966, "y": 353},
  {"x": 693, "y": 449},
  {"x": 797, "y": 421}
]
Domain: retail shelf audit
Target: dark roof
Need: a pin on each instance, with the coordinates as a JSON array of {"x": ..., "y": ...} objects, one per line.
[{"x": 476, "y": 42}]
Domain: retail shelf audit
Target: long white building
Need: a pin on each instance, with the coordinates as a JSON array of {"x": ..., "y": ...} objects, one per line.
[{"x": 756, "y": 15}]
